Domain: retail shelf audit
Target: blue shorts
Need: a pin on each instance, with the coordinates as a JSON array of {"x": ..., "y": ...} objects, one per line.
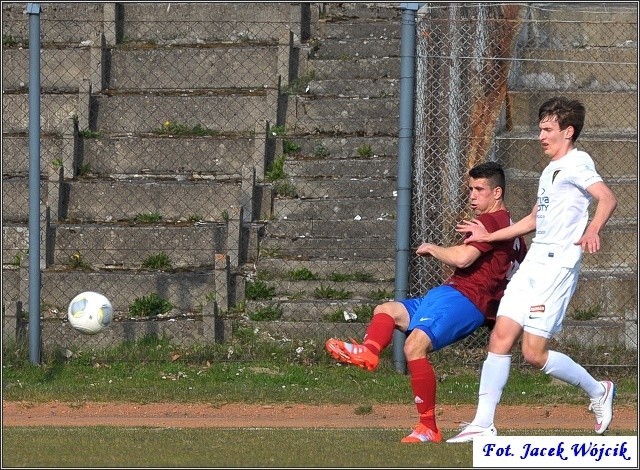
[{"x": 444, "y": 314}]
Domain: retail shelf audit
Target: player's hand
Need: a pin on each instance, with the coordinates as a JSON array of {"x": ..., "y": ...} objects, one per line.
[
  {"x": 423, "y": 250},
  {"x": 474, "y": 228},
  {"x": 590, "y": 242}
]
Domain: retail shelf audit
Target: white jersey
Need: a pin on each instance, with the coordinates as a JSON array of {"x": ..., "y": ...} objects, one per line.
[{"x": 563, "y": 204}]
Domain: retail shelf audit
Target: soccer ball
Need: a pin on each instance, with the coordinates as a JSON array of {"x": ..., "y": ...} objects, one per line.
[{"x": 90, "y": 312}]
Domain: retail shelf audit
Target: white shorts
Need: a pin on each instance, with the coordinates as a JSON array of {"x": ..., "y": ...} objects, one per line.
[{"x": 537, "y": 297}]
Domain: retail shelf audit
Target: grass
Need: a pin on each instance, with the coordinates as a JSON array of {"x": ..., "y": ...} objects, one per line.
[
  {"x": 220, "y": 448},
  {"x": 125, "y": 377},
  {"x": 157, "y": 372}
]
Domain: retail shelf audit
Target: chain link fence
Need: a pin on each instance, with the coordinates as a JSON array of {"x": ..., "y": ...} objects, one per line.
[
  {"x": 483, "y": 72},
  {"x": 227, "y": 170}
]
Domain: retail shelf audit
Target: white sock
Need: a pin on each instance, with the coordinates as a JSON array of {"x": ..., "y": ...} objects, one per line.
[
  {"x": 566, "y": 369},
  {"x": 495, "y": 373}
]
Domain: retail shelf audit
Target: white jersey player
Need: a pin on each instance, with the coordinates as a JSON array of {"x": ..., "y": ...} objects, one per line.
[{"x": 536, "y": 298}]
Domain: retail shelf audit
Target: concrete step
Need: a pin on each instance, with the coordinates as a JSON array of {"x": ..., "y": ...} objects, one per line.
[
  {"x": 15, "y": 244},
  {"x": 293, "y": 290},
  {"x": 375, "y": 167},
  {"x": 15, "y": 153},
  {"x": 62, "y": 70},
  {"x": 610, "y": 69},
  {"x": 112, "y": 200},
  {"x": 190, "y": 23},
  {"x": 379, "y": 269},
  {"x": 360, "y": 10},
  {"x": 127, "y": 246},
  {"x": 222, "y": 156},
  {"x": 614, "y": 155},
  {"x": 607, "y": 112},
  {"x": 582, "y": 25},
  {"x": 356, "y": 88},
  {"x": 344, "y": 115},
  {"x": 344, "y": 188},
  {"x": 223, "y": 111},
  {"x": 344, "y": 146},
  {"x": 364, "y": 28},
  {"x": 57, "y": 113},
  {"x": 610, "y": 292},
  {"x": 188, "y": 291},
  {"x": 292, "y": 229},
  {"x": 66, "y": 23},
  {"x": 316, "y": 330},
  {"x": 15, "y": 198},
  {"x": 335, "y": 209},
  {"x": 310, "y": 310},
  {"x": 348, "y": 49},
  {"x": 325, "y": 69},
  {"x": 191, "y": 68},
  {"x": 360, "y": 247}
]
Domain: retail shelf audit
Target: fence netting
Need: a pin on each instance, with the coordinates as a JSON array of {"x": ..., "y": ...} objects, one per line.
[{"x": 225, "y": 173}]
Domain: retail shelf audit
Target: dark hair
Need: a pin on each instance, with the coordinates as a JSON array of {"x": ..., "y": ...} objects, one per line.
[
  {"x": 491, "y": 171},
  {"x": 567, "y": 112}
]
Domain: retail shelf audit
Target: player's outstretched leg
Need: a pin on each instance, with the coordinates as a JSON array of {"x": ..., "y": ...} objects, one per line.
[{"x": 352, "y": 353}]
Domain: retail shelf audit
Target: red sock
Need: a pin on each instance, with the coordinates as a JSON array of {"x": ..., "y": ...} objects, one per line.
[
  {"x": 379, "y": 333},
  {"x": 423, "y": 384}
]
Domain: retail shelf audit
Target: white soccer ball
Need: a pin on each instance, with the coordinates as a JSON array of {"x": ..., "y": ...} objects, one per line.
[{"x": 90, "y": 312}]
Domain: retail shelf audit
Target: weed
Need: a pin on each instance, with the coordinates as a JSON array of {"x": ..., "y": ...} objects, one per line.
[
  {"x": 76, "y": 261},
  {"x": 84, "y": 170},
  {"x": 336, "y": 316},
  {"x": 157, "y": 261},
  {"x": 324, "y": 292},
  {"x": 268, "y": 313},
  {"x": 276, "y": 169},
  {"x": 149, "y": 305},
  {"x": 195, "y": 218},
  {"x": 225, "y": 215},
  {"x": 589, "y": 313},
  {"x": 17, "y": 259},
  {"x": 302, "y": 274},
  {"x": 148, "y": 218},
  {"x": 320, "y": 150},
  {"x": 364, "y": 313},
  {"x": 9, "y": 41},
  {"x": 89, "y": 134},
  {"x": 56, "y": 163},
  {"x": 259, "y": 290},
  {"x": 278, "y": 131},
  {"x": 174, "y": 128},
  {"x": 380, "y": 295},
  {"x": 299, "y": 84},
  {"x": 289, "y": 146},
  {"x": 357, "y": 277},
  {"x": 365, "y": 150},
  {"x": 285, "y": 189},
  {"x": 269, "y": 252}
]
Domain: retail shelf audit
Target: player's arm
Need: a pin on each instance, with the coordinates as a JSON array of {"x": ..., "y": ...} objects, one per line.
[
  {"x": 458, "y": 256},
  {"x": 606, "y": 204},
  {"x": 478, "y": 232}
]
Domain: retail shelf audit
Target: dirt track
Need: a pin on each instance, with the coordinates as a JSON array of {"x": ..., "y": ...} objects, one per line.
[{"x": 297, "y": 416}]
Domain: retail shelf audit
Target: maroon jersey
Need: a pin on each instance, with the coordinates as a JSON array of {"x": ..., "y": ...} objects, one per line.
[{"x": 485, "y": 280}]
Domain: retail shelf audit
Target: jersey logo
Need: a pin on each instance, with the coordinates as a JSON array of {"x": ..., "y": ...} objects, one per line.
[{"x": 555, "y": 173}]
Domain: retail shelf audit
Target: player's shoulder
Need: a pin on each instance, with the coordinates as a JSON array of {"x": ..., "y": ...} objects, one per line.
[{"x": 497, "y": 219}]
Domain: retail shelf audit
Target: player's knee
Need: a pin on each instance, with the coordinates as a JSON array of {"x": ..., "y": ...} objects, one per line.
[
  {"x": 534, "y": 358},
  {"x": 416, "y": 346}
]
